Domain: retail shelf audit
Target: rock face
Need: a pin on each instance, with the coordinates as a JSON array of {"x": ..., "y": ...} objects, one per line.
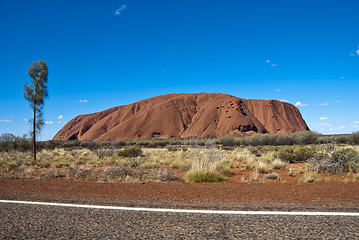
[{"x": 186, "y": 115}]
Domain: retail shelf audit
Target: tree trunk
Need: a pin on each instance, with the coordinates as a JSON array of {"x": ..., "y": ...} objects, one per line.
[{"x": 34, "y": 136}]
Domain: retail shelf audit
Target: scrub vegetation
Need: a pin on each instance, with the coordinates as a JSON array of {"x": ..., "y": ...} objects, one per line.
[{"x": 307, "y": 157}]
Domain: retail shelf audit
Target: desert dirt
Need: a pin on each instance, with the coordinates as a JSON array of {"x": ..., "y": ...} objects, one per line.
[{"x": 337, "y": 193}]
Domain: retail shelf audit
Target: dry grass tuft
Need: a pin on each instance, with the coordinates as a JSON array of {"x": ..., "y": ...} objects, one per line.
[
  {"x": 202, "y": 175},
  {"x": 310, "y": 177}
]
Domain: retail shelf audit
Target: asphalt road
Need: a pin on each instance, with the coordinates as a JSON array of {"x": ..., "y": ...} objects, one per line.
[{"x": 20, "y": 221}]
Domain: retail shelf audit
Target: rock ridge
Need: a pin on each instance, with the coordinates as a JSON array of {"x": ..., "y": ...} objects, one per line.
[{"x": 186, "y": 115}]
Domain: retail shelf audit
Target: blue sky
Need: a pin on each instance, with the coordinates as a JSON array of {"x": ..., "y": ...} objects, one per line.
[{"x": 102, "y": 54}]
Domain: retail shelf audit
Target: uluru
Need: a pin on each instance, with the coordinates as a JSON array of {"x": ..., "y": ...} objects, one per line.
[{"x": 186, "y": 115}]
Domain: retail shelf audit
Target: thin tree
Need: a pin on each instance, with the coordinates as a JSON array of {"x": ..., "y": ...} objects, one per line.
[{"x": 36, "y": 93}]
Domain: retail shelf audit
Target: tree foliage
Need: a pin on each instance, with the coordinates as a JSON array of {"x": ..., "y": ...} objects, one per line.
[{"x": 35, "y": 94}]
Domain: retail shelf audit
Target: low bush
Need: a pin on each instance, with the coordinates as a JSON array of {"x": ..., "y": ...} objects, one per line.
[
  {"x": 278, "y": 164},
  {"x": 309, "y": 177},
  {"x": 355, "y": 137},
  {"x": 134, "y": 162},
  {"x": 262, "y": 167},
  {"x": 180, "y": 164},
  {"x": 102, "y": 153},
  {"x": 305, "y": 138},
  {"x": 250, "y": 163},
  {"x": 148, "y": 165},
  {"x": 130, "y": 152},
  {"x": 90, "y": 145},
  {"x": 117, "y": 172},
  {"x": 286, "y": 154},
  {"x": 227, "y": 140},
  {"x": 163, "y": 175},
  {"x": 303, "y": 153},
  {"x": 342, "y": 161},
  {"x": 202, "y": 175},
  {"x": 342, "y": 139},
  {"x": 173, "y": 148},
  {"x": 225, "y": 172},
  {"x": 272, "y": 176},
  {"x": 70, "y": 145},
  {"x": 348, "y": 158},
  {"x": 224, "y": 164}
]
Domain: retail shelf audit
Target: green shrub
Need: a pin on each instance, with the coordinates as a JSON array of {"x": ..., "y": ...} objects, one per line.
[
  {"x": 70, "y": 145},
  {"x": 355, "y": 137},
  {"x": 90, "y": 145},
  {"x": 303, "y": 153},
  {"x": 43, "y": 164},
  {"x": 8, "y": 165},
  {"x": 325, "y": 140},
  {"x": 202, "y": 175},
  {"x": 148, "y": 165},
  {"x": 227, "y": 140},
  {"x": 226, "y": 172},
  {"x": 134, "y": 162},
  {"x": 102, "y": 153},
  {"x": 305, "y": 138},
  {"x": 224, "y": 164},
  {"x": 173, "y": 148},
  {"x": 130, "y": 152},
  {"x": 9, "y": 142},
  {"x": 342, "y": 139},
  {"x": 180, "y": 164},
  {"x": 286, "y": 154},
  {"x": 348, "y": 158},
  {"x": 284, "y": 139},
  {"x": 256, "y": 151}
]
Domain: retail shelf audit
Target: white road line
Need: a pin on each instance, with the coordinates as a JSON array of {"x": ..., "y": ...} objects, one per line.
[{"x": 186, "y": 210}]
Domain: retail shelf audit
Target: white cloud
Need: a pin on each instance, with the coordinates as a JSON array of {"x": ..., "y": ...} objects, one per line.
[
  {"x": 277, "y": 90},
  {"x": 299, "y": 104},
  {"x": 331, "y": 129},
  {"x": 83, "y": 101},
  {"x": 356, "y": 122},
  {"x": 5, "y": 120},
  {"x": 355, "y": 53},
  {"x": 270, "y": 64},
  {"x": 323, "y": 104},
  {"x": 118, "y": 11},
  {"x": 338, "y": 101},
  {"x": 49, "y": 122},
  {"x": 60, "y": 117},
  {"x": 355, "y": 126},
  {"x": 323, "y": 124},
  {"x": 342, "y": 77},
  {"x": 283, "y": 100},
  {"x": 323, "y": 118},
  {"x": 342, "y": 127}
]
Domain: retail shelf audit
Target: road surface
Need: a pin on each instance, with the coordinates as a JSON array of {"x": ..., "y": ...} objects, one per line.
[{"x": 24, "y": 221}]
